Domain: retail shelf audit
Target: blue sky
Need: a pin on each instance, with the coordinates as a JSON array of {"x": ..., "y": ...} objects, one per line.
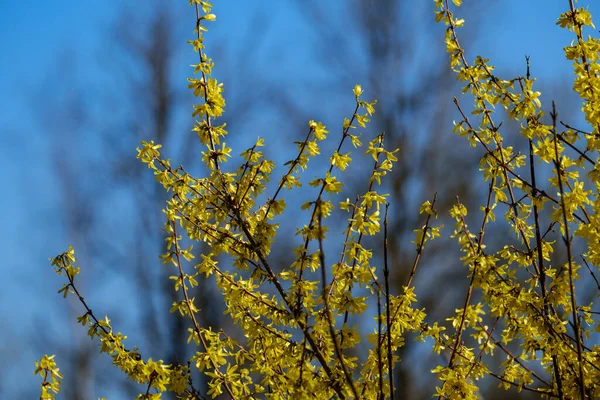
[{"x": 34, "y": 34}]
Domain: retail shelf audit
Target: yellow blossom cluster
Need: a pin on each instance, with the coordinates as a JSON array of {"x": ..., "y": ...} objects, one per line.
[{"x": 298, "y": 340}]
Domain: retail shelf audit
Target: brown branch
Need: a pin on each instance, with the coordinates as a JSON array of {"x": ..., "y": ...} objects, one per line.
[
  {"x": 581, "y": 153},
  {"x": 591, "y": 272},
  {"x": 476, "y": 264},
  {"x": 559, "y": 173},
  {"x": 380, "y": 395},
  {"x": 338, "y": 350},
  {"x": 413, "y": 270},
  {"x": 314, "y": 211},
  {"x": 189, "y": 305},
  {"x": 386, "y": 274},
  {"x": 542, "y": 270}
]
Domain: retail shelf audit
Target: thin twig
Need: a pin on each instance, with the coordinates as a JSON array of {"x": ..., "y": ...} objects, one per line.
[
  {"x": 581, "y": 153},
  {"x": 542, "y": 269},
  {"x": 475, "y": 268},
  {"x": 380, "y": 396},
  {"x": 559, "y": 172},
  {"x": 386, "y": 274},
  {"x": 336, "y": 345},
  {"x": 413, "y": 270},
  {"x": 591, "y": 272},
  {"x": 188, "y": 303}
]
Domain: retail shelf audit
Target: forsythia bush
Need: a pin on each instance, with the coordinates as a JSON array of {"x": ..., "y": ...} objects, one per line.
[{"x": 295, "y": 319}]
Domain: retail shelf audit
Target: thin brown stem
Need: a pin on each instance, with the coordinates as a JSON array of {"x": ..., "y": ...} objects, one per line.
[
  {"x": 386, "y": 274},
  {"x": 380, "y": 395},
  {"x": 413, "y": 270},
  {"x": 336, "y": 345},
  {"x": 591, "y": 273},
  {"x": 581, "y": 153},
  {"x": 188, "y": 303},
  {"x": 475, "y": 269},
  {"x": 559, "y": 173}
]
